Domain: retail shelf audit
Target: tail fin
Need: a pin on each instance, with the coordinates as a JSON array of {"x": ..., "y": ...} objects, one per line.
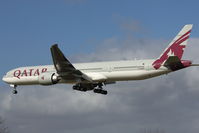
[{"x": 176, "y": 46}]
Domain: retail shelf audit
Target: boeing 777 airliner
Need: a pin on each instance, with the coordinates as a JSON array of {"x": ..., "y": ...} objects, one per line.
[{"x": 92, "y": 76}]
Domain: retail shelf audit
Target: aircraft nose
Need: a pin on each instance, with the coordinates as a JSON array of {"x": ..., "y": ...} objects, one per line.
[
  {"x": 7, "y": 79},
  {"x": 4, "y": 78}
]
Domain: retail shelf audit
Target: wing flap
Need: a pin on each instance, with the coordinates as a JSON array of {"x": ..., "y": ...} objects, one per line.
[{"x": 96, "y": 77}]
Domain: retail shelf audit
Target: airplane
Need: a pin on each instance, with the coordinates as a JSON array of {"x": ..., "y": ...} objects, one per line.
[{"x": 94, "y": 75}]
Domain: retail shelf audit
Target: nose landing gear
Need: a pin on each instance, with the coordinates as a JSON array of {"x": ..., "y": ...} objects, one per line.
[{"x": 14, "y": 91}]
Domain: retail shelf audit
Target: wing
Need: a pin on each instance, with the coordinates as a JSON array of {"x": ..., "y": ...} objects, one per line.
[{"x": 64, "y": 68}]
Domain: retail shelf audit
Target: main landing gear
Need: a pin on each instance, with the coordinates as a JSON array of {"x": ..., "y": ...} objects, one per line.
[
  {"x": 14, "y": 91},
  {"x": 79, "y": 87},
  {"x": 100, "y": 90},
  {"x": 97, "y": 88}
]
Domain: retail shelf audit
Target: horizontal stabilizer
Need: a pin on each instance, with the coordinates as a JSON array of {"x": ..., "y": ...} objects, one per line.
[
  {"x": 172, "y": 60},
  {"x": 194, "y": 64},
  {"x": 173, "y": 63}
]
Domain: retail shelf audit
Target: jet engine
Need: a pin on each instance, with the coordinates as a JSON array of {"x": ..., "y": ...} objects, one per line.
[{"x": 48, "y": 79}]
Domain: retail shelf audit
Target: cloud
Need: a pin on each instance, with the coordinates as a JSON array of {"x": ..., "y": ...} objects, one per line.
[
  {"x": 126, "y": 49},
  {"x": 129, "y": 25}
]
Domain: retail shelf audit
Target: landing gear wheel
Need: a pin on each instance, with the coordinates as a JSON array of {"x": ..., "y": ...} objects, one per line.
[
  {"x": 79, "y": 88},
  {"x": 96, "y": 90},
  {"x": 14, "y": 91},
  {"x": 75, "y": 87},
  {"x": 104, "y": 92}
]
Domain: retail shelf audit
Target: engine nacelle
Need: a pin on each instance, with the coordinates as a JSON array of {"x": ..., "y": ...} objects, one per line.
[{"x": 48, "y": 79}]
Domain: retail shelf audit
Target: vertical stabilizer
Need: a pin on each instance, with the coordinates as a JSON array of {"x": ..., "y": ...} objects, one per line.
[{"x": 176, "y": 46}]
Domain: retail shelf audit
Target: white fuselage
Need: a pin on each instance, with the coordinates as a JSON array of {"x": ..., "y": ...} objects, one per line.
[{"x": 99, "y": 71}]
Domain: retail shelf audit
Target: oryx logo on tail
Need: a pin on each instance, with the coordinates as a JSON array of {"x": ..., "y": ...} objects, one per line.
[{"x": 175, "y": 48}]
